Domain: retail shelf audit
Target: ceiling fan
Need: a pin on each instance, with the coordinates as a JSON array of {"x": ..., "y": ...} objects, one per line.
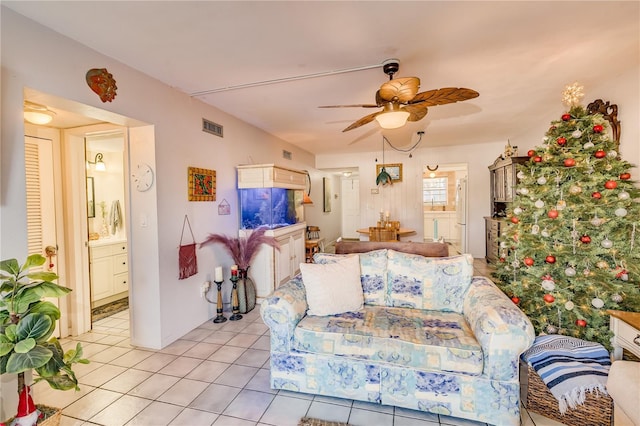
[{"x": 401, "y": 102}]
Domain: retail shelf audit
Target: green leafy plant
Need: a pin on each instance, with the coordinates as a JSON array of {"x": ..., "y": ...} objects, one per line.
[{"x": 27, "y": 322}]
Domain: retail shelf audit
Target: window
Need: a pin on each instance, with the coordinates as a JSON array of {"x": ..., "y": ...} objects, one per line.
[{"x": 434, "y": 191}]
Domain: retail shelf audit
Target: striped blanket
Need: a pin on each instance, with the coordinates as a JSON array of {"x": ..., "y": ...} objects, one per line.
[{"x": 569, "y": 367}]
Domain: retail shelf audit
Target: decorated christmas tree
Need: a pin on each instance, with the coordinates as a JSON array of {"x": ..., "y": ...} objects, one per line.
[{"x": 571, "y": 250}]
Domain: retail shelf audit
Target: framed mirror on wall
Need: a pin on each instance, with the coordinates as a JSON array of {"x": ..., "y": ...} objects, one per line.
[{"x": 91, "y": 205}]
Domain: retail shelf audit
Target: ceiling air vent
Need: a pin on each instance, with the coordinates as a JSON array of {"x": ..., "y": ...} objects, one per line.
[
  {"x": 286, "y": 154},
  {"x": 211, "y": 127}
]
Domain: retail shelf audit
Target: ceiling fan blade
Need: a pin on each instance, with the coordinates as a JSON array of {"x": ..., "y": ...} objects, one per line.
[
  {"x": 416, "y": 112},
  {"x": 400, "y": 89},
  {"x": 364, "y": 120},
  {"x": 445, "y": 95},
  {"x": 350, "y": 106}
]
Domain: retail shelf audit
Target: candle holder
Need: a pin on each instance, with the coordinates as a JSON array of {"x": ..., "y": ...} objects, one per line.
[
  {"x": 235, "y": 303},
  {"x": 219, "y": 318}
]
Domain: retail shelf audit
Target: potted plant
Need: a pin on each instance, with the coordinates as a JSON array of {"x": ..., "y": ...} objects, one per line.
[
  {"x": 242, "y": 250},
  {"x": 27, "y": 322}
]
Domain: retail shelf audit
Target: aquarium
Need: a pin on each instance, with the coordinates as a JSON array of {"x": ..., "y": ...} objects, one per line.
[{"x": 273, "y": 207}]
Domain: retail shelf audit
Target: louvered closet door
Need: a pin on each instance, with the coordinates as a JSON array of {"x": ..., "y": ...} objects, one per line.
[{"x": 41, "y": 218}]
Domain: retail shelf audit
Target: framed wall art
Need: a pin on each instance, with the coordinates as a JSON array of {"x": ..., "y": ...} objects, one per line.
[
  {"x": 202, "y": 184},
  {"x": 394, "y": 170}
]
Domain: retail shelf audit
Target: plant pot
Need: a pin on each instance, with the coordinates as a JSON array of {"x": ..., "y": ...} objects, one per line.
[
  {"x": 246, "y": 292},
  {"x": 50, "y": 416}
]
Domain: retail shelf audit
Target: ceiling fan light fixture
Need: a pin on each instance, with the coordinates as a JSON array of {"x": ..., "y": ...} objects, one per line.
[
  {"x": 37, "y": 114},
  {"x": 392, "y": 119}
]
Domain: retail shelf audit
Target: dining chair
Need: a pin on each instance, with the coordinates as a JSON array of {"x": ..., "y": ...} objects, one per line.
[{"x": 382, "y": 234}]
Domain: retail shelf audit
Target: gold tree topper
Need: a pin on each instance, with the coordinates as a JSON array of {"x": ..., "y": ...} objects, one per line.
[{"x": 572, "y": 94}]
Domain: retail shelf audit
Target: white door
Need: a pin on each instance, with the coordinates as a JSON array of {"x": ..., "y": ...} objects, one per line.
[
  {"x": 41, "y": 206},
  {"x": 350, "y": 207}
]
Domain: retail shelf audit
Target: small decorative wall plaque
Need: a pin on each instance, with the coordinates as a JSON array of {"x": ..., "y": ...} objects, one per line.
[
  {"x": 202, "y": 184},
  {"x": 224, "y": 208},
  {"x": 102, "y": 83}
]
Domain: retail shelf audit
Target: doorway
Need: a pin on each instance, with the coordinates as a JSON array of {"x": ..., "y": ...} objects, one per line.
[
  {"x": 350, "y": 195},
  {"x": 444, "y": 197},
  {"x": 106, "y": 216}
]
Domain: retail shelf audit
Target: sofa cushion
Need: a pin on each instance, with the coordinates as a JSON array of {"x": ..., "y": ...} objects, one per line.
[
  {"x": 373, "y": 273},
  {"x": 400, "y": 336},
  {"x": 428, "y": 283},
  {"x": 333, "y": 288}
]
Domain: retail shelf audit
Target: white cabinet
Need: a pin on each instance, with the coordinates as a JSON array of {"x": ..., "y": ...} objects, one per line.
[
  {"x": 440, "y": 225},
  {"x": 271, "y": 267},
  {"x": 109, "y": 272},
  {"x": 270, "y": 176}
]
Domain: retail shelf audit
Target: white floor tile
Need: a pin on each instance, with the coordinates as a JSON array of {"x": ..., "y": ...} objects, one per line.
[
  {"x": 285, "y": 411},
  {"x": 180, "y": 366},
  {"x": 121, "y": 411},
  {"x": 91, "y": 404},
  {"x": 154, "y": 386},
  {"x": 236, "y": 375},
  {"x": 215, "y": 398},
  {"x": 127, "y": 380},
  {"x": 359, "y": 417},
  {"x": 155, "y": 362},
  {"x": 156, "y": 414},
  {"x": 101, "y": 375},
  {"x": 249, "y": 405},
  {"x": 227, "y": 354},
  {"x": 202, "y": 350},
  {"x": 191, "y": 417},
  {"x": 253, "y": 358},
  {"x": 261, "y": 381},
  {"x": 329, "y": 412},
  {"x": 208, "y": 371},
  {"x": 183, "y": 392},
  {"x": 232, "y": 421}
]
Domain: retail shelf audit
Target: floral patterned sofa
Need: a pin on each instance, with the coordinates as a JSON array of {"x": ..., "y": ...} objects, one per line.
[{"x": 429, "y": 337}]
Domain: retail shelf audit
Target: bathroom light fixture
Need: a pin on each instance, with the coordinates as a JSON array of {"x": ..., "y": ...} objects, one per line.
[
  {"x": 100, "y": 165},
  {"x": 37, "y": 114}
]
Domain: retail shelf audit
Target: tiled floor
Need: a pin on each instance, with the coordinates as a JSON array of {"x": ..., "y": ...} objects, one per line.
[{"x": 217, "y": 374}]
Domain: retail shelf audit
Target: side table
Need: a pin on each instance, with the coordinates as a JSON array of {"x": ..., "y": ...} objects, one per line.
[{"x": 626, "y": 332}]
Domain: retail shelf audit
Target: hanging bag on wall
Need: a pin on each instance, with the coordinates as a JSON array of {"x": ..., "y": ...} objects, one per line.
[{"x": 187, "y": 261}]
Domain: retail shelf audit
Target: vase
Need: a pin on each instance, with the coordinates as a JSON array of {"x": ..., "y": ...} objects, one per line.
[{"x": 246, "y": 291}]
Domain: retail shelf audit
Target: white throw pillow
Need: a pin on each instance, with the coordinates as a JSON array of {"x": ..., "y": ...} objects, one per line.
[{"x": 333, "y": 288}]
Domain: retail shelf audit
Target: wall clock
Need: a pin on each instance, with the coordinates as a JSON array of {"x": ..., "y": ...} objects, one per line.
[{"x": 142, "y": 177}]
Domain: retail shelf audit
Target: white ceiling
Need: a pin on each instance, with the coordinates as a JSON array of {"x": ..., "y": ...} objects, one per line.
[{"x": 518, "y": 55}]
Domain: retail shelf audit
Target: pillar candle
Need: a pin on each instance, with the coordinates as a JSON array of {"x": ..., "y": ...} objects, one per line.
[
  {"x": 234, "y": 270},
  {"x": 218, "y": 274}
]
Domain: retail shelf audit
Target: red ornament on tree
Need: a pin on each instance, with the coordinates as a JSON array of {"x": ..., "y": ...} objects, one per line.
[
  {"x": 561, "y": 141},
  {"x": 598, "y": 128},
  {"x": 553, "y": 213},
  {"x": 585, "y": 239},
  {"x": 611, "y": 184},
  {"x": 596, "y": 195},
  {"x": 537, "y": 159},
  {"x": 549, "y": 298},
  {"x": 531, "y": 153},
  {"x": 528, "y": 261},
  {"x": 569, "y": 162},
  {"x": 600, "y": 154},
  {"x": 550, "y": 259},
  {"x": 566, "y": 117},
  {"x": 514, "y": 219},
  {"x": 515, "y": 299},
  {"x": 581, "y": 323},
  {"x": 625, "y": 176}
]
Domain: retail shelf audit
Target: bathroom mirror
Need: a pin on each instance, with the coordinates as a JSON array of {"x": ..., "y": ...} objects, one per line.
[{"x": 91, "y": 205}]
